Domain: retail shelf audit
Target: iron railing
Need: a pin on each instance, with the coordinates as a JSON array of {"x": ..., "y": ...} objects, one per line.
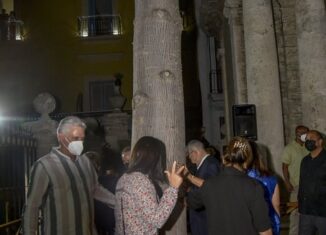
[
  {"x": 17, "y": 154},
  {"x": 99, "y": 25}
]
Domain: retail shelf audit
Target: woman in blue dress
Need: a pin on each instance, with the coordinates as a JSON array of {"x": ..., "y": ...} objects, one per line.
[{"x": 257, "y": 170}]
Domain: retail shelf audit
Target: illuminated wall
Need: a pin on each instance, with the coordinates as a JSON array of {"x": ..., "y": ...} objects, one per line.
[
  {"x": 54, "y": 58},
  {"x": 8, "y": 5}
]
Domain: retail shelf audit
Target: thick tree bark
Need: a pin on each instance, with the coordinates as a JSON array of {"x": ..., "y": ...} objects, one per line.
[{"x": 158, "y": 104}]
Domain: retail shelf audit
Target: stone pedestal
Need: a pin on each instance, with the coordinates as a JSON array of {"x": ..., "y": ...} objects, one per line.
[
  {"x": 117, "y": 100},
  {"x": 116, "y": 126},
  {"x": 94, "y": 138}
]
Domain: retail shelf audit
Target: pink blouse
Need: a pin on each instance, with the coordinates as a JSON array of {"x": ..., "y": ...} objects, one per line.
[{"x": 138, "y": 211}]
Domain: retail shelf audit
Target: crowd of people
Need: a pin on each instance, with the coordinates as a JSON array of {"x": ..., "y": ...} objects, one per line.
[{"x": 74, "y": 193}]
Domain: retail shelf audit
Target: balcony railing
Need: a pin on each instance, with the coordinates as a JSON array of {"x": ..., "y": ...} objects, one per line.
[
  {"x": 99, "y": 25},
  {"x": 11, "y": 30}
]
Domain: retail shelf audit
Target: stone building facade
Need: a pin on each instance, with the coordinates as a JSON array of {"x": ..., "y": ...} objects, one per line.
[{"x": 272, "y": 53}]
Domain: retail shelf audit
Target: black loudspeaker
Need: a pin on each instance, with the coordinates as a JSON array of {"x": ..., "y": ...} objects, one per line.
[{"x": 244, "y": 121}]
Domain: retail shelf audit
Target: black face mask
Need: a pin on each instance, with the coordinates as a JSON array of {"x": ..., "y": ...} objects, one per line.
[{"x": 310, "y": 145}]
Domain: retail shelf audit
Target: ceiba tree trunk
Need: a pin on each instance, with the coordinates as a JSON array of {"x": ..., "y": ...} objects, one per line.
[{"x": 158, "y": 103}]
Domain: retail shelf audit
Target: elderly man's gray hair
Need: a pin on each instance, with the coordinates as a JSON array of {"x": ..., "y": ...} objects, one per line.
[
  {"x": 68, "y": 122},
  {"x": 195, "y": 145}
]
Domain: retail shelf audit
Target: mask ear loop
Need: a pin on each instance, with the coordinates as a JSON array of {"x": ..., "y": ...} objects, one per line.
[{"x": 67, "y": 141}]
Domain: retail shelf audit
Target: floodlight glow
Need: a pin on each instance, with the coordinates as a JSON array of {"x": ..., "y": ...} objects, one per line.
[
  {"x": 115, "y": 32},
  {"x": 18, "y": 37},
  {"x": 84, "y": 33}
]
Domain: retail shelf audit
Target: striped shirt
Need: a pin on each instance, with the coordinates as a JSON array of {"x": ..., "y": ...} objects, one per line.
[{"x": 63, "y": 191}]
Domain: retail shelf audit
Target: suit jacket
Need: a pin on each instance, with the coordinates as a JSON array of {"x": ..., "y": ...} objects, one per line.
[
  {"x": 197, "y": 218},
  {"x": 235, "y": 204}
]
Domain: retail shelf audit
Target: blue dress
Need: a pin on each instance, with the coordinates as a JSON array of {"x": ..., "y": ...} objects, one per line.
[{"x": 269, "y": 183}]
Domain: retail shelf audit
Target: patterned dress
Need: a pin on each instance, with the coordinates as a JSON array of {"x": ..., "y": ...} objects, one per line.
[
  {"x": 138, "y": 211},
  {"x": 269, "y": 183}
]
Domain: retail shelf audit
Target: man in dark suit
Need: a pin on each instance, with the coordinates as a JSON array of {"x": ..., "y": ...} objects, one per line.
[{"x": 206, "y": 167}]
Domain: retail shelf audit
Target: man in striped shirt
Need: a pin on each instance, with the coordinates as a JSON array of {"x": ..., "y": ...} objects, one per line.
[{"x": 62, "y": 187}]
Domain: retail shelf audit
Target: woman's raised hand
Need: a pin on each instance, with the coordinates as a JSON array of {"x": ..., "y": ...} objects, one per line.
[{"x": 175, "y": 180}]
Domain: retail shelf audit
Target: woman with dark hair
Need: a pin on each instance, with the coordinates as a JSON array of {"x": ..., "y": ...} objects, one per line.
[
  {"x": 260, "y": 172},
  {"x": 141, "y": 206},
  {"x": 234, "y": 202}
]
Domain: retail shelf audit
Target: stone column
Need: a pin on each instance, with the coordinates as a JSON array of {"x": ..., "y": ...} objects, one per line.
[
  {"x": 203, "y": 70},
  {"x": 311, "y": 32},
  {"x": 226, "y": 128},
  {"x": 232, "y": 11},
  {"x": 286, "y": 37},
  {"x": 263, "y": 76}
]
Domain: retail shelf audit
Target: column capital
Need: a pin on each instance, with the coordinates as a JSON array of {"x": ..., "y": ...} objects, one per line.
[
  {"x": 232, "y": 10},
  {"x": 211, "y": 16}
]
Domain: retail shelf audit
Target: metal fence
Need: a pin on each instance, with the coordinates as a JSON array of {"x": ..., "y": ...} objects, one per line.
[{"x": 17, "y": 154}]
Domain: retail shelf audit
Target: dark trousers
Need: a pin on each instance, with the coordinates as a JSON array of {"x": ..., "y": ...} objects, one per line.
[
  {"x": 312, "y": 225},
  {"x": 198, "y": 222}
]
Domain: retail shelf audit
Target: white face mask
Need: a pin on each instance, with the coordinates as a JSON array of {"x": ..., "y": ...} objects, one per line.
[
  {"x": 75, "y": 147},
  {"x": 303, "y": 137}
]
